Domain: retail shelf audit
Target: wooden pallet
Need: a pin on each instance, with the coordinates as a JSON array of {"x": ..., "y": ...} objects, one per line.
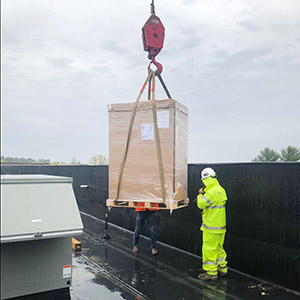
[{"x": 133, "y": 204}]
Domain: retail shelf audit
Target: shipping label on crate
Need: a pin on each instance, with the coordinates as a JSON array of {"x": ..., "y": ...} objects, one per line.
[
  {"x": 163, "y": 119},
  {"x": 67, "y": 271},
  {"x": 147, "y": 132}
]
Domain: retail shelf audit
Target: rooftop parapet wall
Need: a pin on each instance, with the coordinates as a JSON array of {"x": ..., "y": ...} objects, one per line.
[{"x": 263, "y": 213}]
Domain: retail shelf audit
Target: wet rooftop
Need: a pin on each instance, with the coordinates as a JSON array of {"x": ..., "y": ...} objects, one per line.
[{"x": 108, "y": 267}]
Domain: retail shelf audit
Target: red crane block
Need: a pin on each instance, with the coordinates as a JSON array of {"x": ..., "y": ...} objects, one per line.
[{"x": 153, "y": 36}]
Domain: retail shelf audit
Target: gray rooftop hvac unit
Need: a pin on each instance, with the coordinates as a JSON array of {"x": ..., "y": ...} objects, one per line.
[{"x": 39, "y": 216}]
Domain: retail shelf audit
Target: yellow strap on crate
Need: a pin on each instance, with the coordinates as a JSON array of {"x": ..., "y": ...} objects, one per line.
[
  {"x": 158, "y": 148},
  {"x": 151, "y": 75},
  {"x": 129, "y": 134}
]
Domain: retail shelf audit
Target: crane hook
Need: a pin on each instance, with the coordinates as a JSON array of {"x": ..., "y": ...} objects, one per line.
[{"x": 157, "y": 65}]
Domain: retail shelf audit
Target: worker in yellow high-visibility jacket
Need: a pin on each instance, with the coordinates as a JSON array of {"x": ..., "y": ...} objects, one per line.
[{"x": 212, "y": 200}]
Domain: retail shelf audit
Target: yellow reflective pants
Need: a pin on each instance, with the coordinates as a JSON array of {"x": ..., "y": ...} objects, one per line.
[{"x": 213, "y": 253}]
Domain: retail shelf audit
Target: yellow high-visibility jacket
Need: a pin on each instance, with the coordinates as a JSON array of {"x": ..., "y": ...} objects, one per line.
[{"x": 213, "y": 203}]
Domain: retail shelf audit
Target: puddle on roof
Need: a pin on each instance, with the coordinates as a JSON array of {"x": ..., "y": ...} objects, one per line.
[{"x": 89, "y": 283}]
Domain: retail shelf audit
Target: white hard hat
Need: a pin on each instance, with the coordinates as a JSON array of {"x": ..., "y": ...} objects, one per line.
[{"x": 207, "y": 172}]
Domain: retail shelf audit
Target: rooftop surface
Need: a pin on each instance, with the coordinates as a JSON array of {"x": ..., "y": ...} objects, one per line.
[{"x": 108, "y": 269}]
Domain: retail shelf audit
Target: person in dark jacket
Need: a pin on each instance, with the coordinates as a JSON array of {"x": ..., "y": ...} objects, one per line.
[{"x": 143, "y": 214}]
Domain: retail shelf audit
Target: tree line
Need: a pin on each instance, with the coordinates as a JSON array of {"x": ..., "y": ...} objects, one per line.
[
  {"x": 287, "y": 154},
  {"x": 23, "y": 160},
  {"x": 94, "y": 160}
]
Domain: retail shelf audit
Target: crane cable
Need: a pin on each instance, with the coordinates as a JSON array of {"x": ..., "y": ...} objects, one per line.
[{"x": 152, "y": 8}]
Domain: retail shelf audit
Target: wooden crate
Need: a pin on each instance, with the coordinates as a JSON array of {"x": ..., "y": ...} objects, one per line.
[{"x": 140, "y": 181}]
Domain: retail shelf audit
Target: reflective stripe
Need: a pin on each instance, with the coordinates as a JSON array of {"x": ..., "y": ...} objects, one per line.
[
  {"x": 209, "y": 263},
  {"x": 206, "y": 200},
  {"x": 217, "y": 206},
  {"x": 221, "y": 259},
  {"x": 222, "y": 267},
  {"x": 213, "y": 228},
  {"x": 212, "y": 273}
]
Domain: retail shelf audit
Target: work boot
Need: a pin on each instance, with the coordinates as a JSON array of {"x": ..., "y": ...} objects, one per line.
[
  {"x": 206, "y": 276},
  {"x": 135, "y": 249},
  {"x": 154, "y": 251}
]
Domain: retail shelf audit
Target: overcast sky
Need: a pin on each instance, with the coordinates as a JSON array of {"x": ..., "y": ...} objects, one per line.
[{"x": 234, "y": 63}]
